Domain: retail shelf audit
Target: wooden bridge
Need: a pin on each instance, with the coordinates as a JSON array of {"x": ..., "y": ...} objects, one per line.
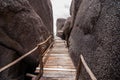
[
  {"x": 55, "y": 63},
  {"x": 58, "y": 65}
]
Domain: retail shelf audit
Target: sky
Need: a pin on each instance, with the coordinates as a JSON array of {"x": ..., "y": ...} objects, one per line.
[{"x": 60, "y": 10}]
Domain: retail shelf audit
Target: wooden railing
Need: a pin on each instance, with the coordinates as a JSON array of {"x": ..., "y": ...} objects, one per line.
[
  {"x": 41, "y": 59},
  {"x": 83, "y": 62},
  {"x": 41, "y": 50}
]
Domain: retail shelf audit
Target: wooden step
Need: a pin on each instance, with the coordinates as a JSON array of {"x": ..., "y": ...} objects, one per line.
[
  {"x": 58, "y": 64},
  {"x": 56, "y": 69}
]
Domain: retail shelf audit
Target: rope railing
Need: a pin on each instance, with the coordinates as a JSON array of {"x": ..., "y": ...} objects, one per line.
[
  {"x": 42, "y": 63},
  {"x": 45, "y": 40},
  {"x": 89, "y": 71},
  {"x": 25, "y": 55}
]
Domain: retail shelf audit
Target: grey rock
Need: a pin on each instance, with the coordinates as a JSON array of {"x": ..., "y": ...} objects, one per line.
[
  {"x": 60, "y": 24},
  {"x": 96, "y": 35},
  {"x": 44, "y": 10},
  {"x": 74, "y": 9},
  {"x": 66, "y": 30},
  {"x": 21, "y": 29}
]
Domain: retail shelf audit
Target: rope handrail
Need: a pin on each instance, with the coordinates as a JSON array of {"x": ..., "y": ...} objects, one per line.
[
  {"x": 45, "y": 40},
  {"x": 25, "y": 55},
  {"x": 42, "y": 63},
  {"x": 89, "y": 71}
]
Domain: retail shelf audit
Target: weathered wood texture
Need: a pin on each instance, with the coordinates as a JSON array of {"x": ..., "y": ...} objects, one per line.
[{"x": 58, "y": 64}]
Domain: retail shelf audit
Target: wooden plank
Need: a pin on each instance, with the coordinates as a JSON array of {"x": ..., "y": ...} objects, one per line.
[
  {"x": 59, "y": 65},
  {"x": 30, "y": 75},
  {"x": 56, "y": 69},
  {"x": 58, "y": 55},
  {"x": 59, "y": 74},
  {"x": 48, "y": 78}
]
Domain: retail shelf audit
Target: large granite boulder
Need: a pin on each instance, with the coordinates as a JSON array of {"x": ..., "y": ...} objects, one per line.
[
  {"x": 44, "y": 10},
  {"x": 66, "y": 30},
  {"x": 60, "y": 23},
  {"x": 74, "y": 9},
  {"x": 96, "y": 35},
  {"x": 21, "y": 29}
]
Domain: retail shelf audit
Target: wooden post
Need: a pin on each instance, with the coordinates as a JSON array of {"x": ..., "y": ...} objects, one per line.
[
  {"x": 79, "y": 67},
  {"x": 41, "y": 63}
]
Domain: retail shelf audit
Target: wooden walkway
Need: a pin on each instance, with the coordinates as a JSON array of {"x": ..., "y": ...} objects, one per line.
[{"x": 58, "y": 64}]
